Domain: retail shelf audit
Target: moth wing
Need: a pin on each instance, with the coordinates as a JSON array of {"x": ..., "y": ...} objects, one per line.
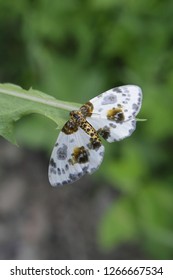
[
  {"x": 114, "y": 112},
  {"x": 72, "y": 157}
]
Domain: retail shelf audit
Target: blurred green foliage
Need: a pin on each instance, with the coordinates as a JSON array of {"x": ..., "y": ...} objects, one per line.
[{"x": 74, "y": 50}]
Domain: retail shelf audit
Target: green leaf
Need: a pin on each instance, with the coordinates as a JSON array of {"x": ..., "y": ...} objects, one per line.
[
  {"x": 118, "y": 224},
  {"x": 155, "y": 208},
  {"x": 16, "y": 102}
]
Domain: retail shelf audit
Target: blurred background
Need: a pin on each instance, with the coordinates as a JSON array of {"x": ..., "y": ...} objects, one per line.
[{"x": 74, "y": 50}]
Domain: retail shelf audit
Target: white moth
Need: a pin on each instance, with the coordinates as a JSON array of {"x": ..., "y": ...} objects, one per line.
[{"x": 78, "y": 149}]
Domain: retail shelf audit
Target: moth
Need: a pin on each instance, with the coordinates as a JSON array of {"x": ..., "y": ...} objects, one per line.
[{"x": 78, "y": 149}]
